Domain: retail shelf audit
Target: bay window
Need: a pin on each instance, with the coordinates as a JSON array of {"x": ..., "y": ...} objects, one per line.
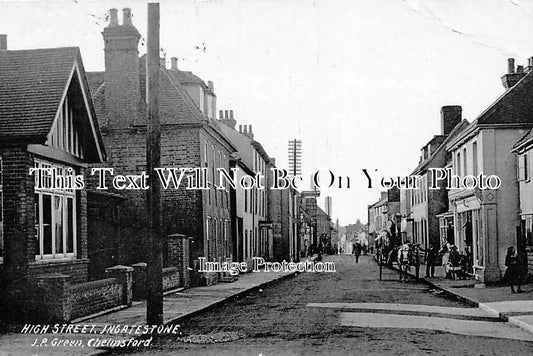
[{"x": 55, "y": 214}]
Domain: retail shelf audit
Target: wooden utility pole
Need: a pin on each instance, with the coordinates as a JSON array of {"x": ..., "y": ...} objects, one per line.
[{"x": 154, "y": 305}]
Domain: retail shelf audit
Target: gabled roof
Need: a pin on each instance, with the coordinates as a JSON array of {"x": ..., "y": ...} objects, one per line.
[
  {"x": 525, "y": 141},
  {"x": 515, "y": 105},
  {"x": 176, "y": 107},
  {"x": 422, "y": 166},
  {"x": 175, "y": 104},
  {"x": 513, "y": 108},
  {"x": 33, "y": 84}
]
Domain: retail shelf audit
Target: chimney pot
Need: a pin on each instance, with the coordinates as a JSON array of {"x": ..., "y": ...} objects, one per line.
[
  {"x": 163, "y": 62},
  {"x": 3, "y": 42},
  {"x": 220, "y": 114},
  {"x": 211, "y": 85},
  {"x": 451, "y": 116},
  {"x": 126, "y": 17},
  {"x": 245, "y": 129},
  {"x": 174, "y": 63},
  {"x": 250, "y": 128},
  {"x": 226, "y": 114},
  {"x": 240, "y": 128},
  {"x": 510, "y": 65},
  {"x": 113, "y": 17},
  {"x": 231, "y": 114}
]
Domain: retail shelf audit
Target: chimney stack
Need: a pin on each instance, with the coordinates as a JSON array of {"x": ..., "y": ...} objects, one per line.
[
  {"x": 122, "y": 92},
  {"x": 126, "y": 17},
  {"x": 163, "y": 62},
  {"x": 451, "y": 115},
  {"x": 226, "y": 117},
  {"x": 512, "y": 77},
  {"x": 113, "y": 17},
  {"x": 510, "y": 66},
  {"x": 174, "y": 63},
  {"x": 211, "y": 86},
  {"x": 3, "y": 42},
  {"x": 250, "y": 133}
]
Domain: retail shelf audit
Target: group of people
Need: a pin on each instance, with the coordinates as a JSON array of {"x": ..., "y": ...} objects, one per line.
[{"x": 456, "y": 265}]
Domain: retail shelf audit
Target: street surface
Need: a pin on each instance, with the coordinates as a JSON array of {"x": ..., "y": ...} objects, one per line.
[{"x": 347, "y": 312}]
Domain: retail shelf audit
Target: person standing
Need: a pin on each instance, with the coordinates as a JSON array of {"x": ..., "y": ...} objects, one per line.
[
  {"x": 468, "y": 258},
  {"x": 513, "y": 273},
  {"x": 416, "y": 259},
  {"x": 431, "y": 259},
  {"x": 357, "y": 251},
  {"x": 404, "y": 258},
  {"x": 445, "y": 252}
]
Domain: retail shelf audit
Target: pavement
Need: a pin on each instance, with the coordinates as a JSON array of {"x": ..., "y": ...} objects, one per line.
[
  {"x": 496, "y": 300},
  {"x": 176, "y": 307}
]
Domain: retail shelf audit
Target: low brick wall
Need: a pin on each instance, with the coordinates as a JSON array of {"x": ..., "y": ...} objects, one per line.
[
  {"x": 55, "y": 299},
  {"x": 171, "y": 278},
  {"x": 91, "y": 297}
]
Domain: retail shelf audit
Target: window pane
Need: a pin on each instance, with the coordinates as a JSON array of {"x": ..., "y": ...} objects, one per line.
[
  {"x": 37, "y": 224},
  {"x": 69, "y": 225},
  {"x": 47, "y": 224},
  {"x": 58, "y": 224}
]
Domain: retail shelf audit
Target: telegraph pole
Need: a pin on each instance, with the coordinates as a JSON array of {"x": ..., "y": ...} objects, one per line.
[{"x": 154, "y": 305}]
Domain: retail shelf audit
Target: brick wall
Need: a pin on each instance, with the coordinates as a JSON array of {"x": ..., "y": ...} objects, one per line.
[
  {"x": 171, "y": 278},
  {"x": 75, "y": 269},
  {"x": 19, "y": 212},
  {"x": 103, "y": 234},
  {"x": 91, "y": 297},
  {"x": 178, "y": 255},
  {"x": 184, "y": 211}
]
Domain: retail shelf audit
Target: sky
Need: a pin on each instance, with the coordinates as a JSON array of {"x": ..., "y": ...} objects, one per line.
[{"x": 361, "y": 83}]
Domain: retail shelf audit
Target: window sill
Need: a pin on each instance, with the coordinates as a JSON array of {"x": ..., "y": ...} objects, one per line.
[{"x": 64, "y": 260}]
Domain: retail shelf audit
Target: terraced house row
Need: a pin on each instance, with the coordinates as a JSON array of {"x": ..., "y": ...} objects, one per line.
[
  {"x": 67, "y": 253},
  {"x": 487, "y": 221}
]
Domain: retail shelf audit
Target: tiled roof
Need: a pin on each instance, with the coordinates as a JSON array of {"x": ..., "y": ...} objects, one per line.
[
  {"x": 175, "y": 104},
  {"x": 32, "y": 83},
  {"x": 176, "y": 107},
  {"x": 188, "y": 77},
  {"x": 514, "y": 106}
]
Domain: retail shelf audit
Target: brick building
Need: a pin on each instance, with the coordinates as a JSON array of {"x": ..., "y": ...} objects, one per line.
[
  {"x": 427, "y": 204},
  {"x": 488, "y": 219},
  {"x": 47, "y": 121},
  {"x": 252, "y": 229},
  {"x": 190, "y": 137},
  {"x": 384, "y": 217},
  {"x": 285, "y": 213}
]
